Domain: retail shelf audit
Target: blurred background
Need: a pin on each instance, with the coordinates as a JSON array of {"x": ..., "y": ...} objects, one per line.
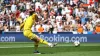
[{"x": 76, "y": 16}]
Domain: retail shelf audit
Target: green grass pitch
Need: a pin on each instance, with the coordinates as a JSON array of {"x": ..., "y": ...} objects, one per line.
[{"x": 62, "y": 49}]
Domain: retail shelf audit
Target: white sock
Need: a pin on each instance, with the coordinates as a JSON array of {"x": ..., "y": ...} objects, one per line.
[{"x": 49, "y": 44}]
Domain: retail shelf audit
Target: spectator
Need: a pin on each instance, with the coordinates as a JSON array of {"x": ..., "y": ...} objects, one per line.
[
  {"x": 64, "y": 16},
  {"x": 28, "y": 4},
  {"x": 66, "y": 27},
  {"x": 99, "y": 10},
  {"x": 7, "y": 1},
  {"x": 52, "y": 13},
  {"x": 23, "y": 15},
  {"x": 50, "y": 27},
  {"x": 96, "y": 3},
  {"x": 33, "y": 28},
  {"x": 80, "y": 29},
  {"x": 58, "y": 18},
  {"x": 90, "y": 14},
  {"x": 45, "y": 15},
  {"x": 17, "y": 27},
  {"x": 55, "y": 30},
  {"x": 21, "y": 6},
  {"x": 40, "y": 29},
  {"x": 97, "y": 28},
  {"x": 37, "y": 26},
  {"x": 83, "y": 19},
  {"x": 60, "y": 27},
  {"x": 13, "y": 7},
  {"x": 45, "y": 27},
  {"x": 89, "y": 26},
  {"x": 5, "y": 28},
  {"x": 1, "y": 27}
]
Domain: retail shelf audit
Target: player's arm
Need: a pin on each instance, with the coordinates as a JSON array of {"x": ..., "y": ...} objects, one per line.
[{"x": 22, "y": 25}]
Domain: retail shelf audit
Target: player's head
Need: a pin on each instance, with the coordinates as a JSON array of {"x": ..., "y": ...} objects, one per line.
[
  {"x": 33, "y": 14},
  {"x": 36, "y": 17}
]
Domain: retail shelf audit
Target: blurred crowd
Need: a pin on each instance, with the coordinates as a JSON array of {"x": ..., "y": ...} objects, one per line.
[{"x": 54, "y": 16}]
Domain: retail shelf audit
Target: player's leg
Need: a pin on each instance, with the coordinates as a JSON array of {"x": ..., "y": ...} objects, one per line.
[
  {"x": 36, "y": 38},
  {"x": 29, "y": 35},
  {"x": 40, "y": 40},
  {"x": 36, "y": 44},
  {"x": 37, "y": 41}
]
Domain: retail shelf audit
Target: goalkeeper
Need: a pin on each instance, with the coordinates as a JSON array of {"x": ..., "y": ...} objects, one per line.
[{"x": 27, "y": 32}]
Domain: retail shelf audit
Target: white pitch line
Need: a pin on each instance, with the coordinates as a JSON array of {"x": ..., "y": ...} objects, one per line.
[
  {"x": 29, "y": 46},
  {"x": 40, "y": 46},
  {"x": 17, "y": 47}
]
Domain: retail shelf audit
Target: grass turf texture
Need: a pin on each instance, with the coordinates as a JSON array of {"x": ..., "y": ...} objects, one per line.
[{"x": 62, "y": 49}]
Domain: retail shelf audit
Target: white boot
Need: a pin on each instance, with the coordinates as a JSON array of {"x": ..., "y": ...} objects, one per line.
[{"x": 52, "y": 44}]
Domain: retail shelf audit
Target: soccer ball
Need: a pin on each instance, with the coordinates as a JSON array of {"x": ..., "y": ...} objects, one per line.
[{"x": 76, "y": 43}]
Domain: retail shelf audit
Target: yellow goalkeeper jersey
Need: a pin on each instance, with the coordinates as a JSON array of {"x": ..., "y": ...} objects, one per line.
[{"x": 29, "y": 22}]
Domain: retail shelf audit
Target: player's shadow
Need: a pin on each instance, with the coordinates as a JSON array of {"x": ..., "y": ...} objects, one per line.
[{"x": 47, "y": 53}]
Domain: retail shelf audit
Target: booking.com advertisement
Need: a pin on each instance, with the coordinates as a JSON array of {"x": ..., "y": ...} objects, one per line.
[{"x": 18, "y": 37}]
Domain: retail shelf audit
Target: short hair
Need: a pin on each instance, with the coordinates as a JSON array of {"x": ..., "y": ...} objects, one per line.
[
  {"x": 34, "y": 15},
  {"x": 31, "y": 13}
]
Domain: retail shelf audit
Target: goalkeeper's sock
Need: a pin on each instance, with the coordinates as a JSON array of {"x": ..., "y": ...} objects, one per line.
[
  {"x": 36, "y": 46},
  {"x": 47, "y": 43},
  {"x": 43, "y": 41}
]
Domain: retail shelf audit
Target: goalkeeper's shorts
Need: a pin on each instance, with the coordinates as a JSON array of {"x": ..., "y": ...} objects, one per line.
[{"x": 29, "y": 34}]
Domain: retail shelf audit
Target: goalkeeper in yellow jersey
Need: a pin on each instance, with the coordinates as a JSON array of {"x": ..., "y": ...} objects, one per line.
[{"x": 29, "y": 22}]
